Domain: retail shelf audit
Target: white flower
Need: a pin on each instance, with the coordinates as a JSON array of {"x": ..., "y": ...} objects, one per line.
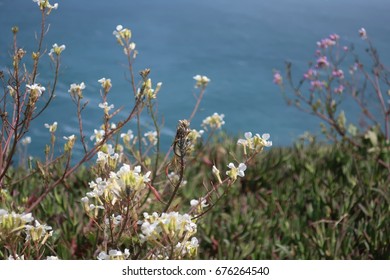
[
  {"x": 121, "y": 33},
  {"x": 52, "y": 128},
  {"x": 236, "y": 171},
  {"x": 127, "y": 137},
  {"x": 46, "y": 4},
  {"x": 199, "y": 202},
  {"x": 77, "y": 89},
  {"x": 98, "y": 135},
  {"x": 52, "y": 258},
  {"x": 26, "y": 140},
  {"x": 57, "y": 49},
  {"x": 262, "y": 141},
  {"x": 70, "y": 138},
  {"x": 11, "y": 90},
  {"x": 201, "y": 81},
  {"x": 152, "y": 137},
  {"x": 35, "y": 89},
  {"x": 215, "y": 121},
  {"x": 106, "y": 107},
  {"x": 363, "y": 33},
  {"x": 114, "y": 255},
  {"x": 106, "y": 83},
  {"x": 247, "y": 142}
]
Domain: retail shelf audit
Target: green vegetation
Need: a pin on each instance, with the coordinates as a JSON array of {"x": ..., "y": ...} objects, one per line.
[{"x": 309, "y": 201}]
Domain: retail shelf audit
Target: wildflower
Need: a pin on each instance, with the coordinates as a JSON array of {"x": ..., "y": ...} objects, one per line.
[
  {"x": 193, "y": 136},
  {"x": 114, "y": 255},
  {"x": 77, "y": 89},
  {"x": 338, "y": 73},
  {"x": 38, "y": 232},
  {"x": 116, "y": 220},
  {"x": 339, "y": 89},
  {"x": 174, "y": 179},
  {"x": 70, "y": 142},
  {"x": 106, "y": 107},
  {"x": 13, "y": 223},
  {"x": 261, "y": 141},
  {"x": 310, "y": 74},
  {"x": 122, "y": 33},
  {"x": 98, "y": 135},
  {"x": 56, "y": 49},
  {"x": 11, "y": 90},
  {"x": 334, "y": 37},
  {"x": 201, "y": 81},
  {"x": 52, "y": 258},
  {"x": 215, "y": 121},
  {"x": 236, "y": 171},
  {"x": 43, "y": 4},
  {"x": 278, "y": 80},
  {"x": 169, "y": 225},
  {"x": 106, "y": 84},
  {"x": 108, "y": 158},
  {"x": 18, "y": 258},
  {"x": 26, "y": 140},
  {"x": 322, "y": 62},
  {"x": 363, "y": 33},
  {"x": 152, "y": 137},
  {"x": 325, "y": 43},
  {"x": 127, "y": 137},
  {"x": 217, "y": 174},
  {"x": 247, "y": 142},
  {"x": 189, "y": 248},
  {"x": 52, "y": 128},
  {"x": 316, "y": 85},
  {"x": 199, "y": 202},
  {"x": 35, "y": 91}
]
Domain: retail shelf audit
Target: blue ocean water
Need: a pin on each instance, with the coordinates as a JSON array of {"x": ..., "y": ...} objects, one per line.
[{"x": 236, "y": 44}]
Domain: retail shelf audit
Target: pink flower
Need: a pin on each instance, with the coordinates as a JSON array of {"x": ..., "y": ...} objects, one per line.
[
  {"x": 334, "y": 37},
  {"x": 322, "y": 62},
  {"x": 278, "y": 78},
  {"x": 338, "y": 73},
  {"x": 339, "y": 89},
  {"x": 325, "y": 43},
  {"x": 316, "y": 84},
  {"x": 310, "y": 74}
]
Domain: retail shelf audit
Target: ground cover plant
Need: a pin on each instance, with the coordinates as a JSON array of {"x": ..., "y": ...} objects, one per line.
[{"x": 210, "y": 195}]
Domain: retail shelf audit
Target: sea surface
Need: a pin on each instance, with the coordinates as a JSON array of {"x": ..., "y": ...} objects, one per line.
[{"x": 237, "y": 44}]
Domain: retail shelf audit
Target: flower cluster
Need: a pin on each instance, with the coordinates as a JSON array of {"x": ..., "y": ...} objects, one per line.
[
  {"x": 106, "y": 84},
  {"x": 76, "y": 90},
  {"x": 125, "y": 182},
  {"x": 201, "y": 81},
  {"x": 256, "y": 143},
  {"x": 123, "y": 36},
  {"x": 13, "y": 224},
  {"x": 35, "y": 91},
  {"x": 170, "y": 233},
  {"x": 45, "y": 4},
  {"x": 214, "y": 122},
  {"x": 148, "y": 91}
]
